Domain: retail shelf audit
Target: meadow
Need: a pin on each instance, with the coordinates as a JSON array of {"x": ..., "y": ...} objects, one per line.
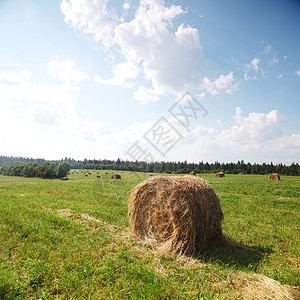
[{"x": 71, "y": 240}]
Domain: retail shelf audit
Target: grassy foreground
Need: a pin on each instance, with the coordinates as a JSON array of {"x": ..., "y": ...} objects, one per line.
[{"x": 70, "y": 240}]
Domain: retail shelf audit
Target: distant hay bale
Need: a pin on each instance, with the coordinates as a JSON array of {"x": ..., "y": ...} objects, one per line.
[
  {"x": 179, "y": 213},
  {"x": 274, "y": 176},
  {"x": 98, "y": 176},
  {"x": 220, "y": 174},
  {"x": 64, "y": 178},
  {"x": 115, "y": 176},
  {"x": 106, "y": 173},
  {"x": 150, "y": 174},
  {"x": 241, "y": 173},
  {"x": 193, "y": 173},
  {"x": 86, "y": 175}
]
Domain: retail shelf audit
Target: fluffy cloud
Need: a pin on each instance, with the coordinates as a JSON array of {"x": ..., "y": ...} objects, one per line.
[
  {"x": 223, "y": 84},
  {"x": 169, "y": 58},
  {"x": 145, "y": 95},
  {"x": 254, "y": 128},
  {"x": 171, "y": 61},
  {"x": 252, "y": 66},
  {"x": 298, "y": 72},
  {"x": 41, "y": 103},
  {"x": 92, "y": 17},
  {"x": 254, "y": 137},
  {"x": 66, "y": 71},
  {"x": 122, "y": 72}
]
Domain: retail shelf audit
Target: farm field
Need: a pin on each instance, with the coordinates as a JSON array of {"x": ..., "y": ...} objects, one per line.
[{"x": 71, "y": 240}]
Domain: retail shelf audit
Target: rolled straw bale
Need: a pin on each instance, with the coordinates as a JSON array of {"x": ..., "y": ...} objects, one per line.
[
  {"x": 220, "y": 174},
  {"x": 115, "y": 176},
  {"x": 179, "y": 213},
  {"x": 274, "y": 176}
]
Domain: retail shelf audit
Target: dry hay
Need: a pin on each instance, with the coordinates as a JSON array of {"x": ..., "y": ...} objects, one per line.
[
  {"x": 66, "y": 212},
  {"x": 274, "y": 176},
  {"x": 257, "y": 286},
  {"x": 84, "y": 219},
  {"x": 115, "y": 176},
  {"x": 220, "y": 174},
  {"x": 56, "y": 191},
  {"x": 177, "y": 213},
  {"x": 193, "y": 173}
]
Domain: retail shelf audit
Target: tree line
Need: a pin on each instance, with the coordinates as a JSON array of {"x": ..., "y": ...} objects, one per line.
[
  {"x": 164, "y": 167},
  {"x": 46, "y": 170}
]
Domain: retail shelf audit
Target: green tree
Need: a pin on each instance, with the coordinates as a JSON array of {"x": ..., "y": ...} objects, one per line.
[
  {"x": 47, "y": 170},
  {"x": 63, "y": 169}
]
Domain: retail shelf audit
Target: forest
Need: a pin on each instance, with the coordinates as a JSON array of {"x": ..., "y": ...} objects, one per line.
[{"x": 29, "y": 167}]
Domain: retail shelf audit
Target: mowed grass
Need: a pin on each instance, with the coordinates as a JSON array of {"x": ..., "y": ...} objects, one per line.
[{"x": 71, "y": 240}]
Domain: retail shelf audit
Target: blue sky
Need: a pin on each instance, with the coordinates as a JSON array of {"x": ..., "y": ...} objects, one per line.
[{"x": 91, "y": 79}]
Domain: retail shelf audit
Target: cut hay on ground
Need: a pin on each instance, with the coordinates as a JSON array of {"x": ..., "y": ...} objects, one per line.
[
  {"x": 257, "y": 286},
  {"x": 115, "y": 176},
  {"x": 274, "y": 176},
  {"x": 178, "y": 213},
  {"x": 220, "y": 174}
]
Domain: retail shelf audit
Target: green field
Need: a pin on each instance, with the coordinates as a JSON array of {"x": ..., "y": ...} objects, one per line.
[{"x": 71, "y": 240}]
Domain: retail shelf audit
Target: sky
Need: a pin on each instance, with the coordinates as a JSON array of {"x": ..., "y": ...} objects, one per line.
[{"x": 152, "y": 80}]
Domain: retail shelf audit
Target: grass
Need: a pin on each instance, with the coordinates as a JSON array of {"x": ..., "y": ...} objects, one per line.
[{"x": 87, "y": 252}]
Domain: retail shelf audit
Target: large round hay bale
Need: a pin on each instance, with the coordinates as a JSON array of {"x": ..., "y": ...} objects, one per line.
[
  {"x": 274, "y": 176},
  {"x": 115, "y": 176},
  {"x": 179, "y": 213},
  {"x": 193, "y": 173},
  {"x": 220, "y": 174}
]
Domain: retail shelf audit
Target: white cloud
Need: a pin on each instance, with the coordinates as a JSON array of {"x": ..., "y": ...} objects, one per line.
[
  {"x": 254, "y": 63},
  {"x": 122, "y": 72},
  {"x": 256, "y": 127},
  {"x": 170, "y": 59},
  {"x": 145, "y": 95},
  {"x": 92, "y": 17},
  {"x": 252, "y": 66},
  {"x": 255, "y": 137},
  {"x": 126, "y": 5},
  {"x": 41, "y": 103},
  {"x": 279, "y": 76},
  {"x": 223, "y": 84},
  {"x": 298, "y": 72},
  {"x": 16, "y": 77},
  {"x": 65, "y": 70}
]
